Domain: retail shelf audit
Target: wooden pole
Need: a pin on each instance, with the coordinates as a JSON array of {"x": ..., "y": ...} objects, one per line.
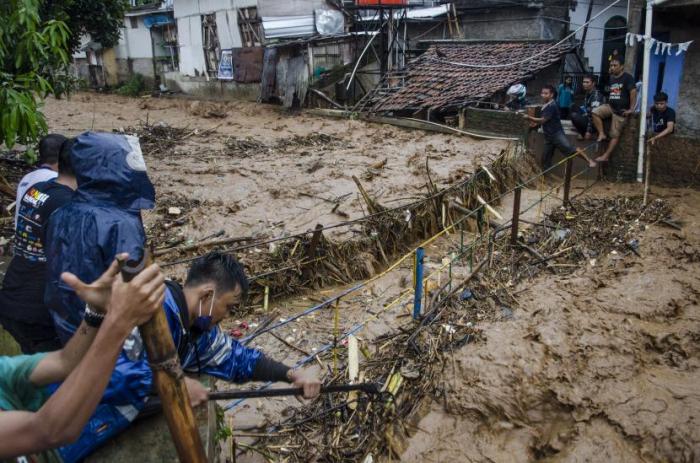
[
  {"x": 168, "y": 377},
  {"x": 647, "y": 175},
  {"x": 516, "y": 216},
  {"x": 567, "y": 180}
]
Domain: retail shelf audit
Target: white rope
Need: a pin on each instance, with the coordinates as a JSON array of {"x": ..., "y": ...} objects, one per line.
[{"x": 529, "y": 58}]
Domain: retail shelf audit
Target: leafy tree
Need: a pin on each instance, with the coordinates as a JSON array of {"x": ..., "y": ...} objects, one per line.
[
  {"x": 33, "y": 53},
  {"x": 101, "y": 19}
]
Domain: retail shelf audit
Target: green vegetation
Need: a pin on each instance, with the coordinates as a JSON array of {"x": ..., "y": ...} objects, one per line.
[
  {"x": 32, "y": 52},
  {"x": 133, "y": 87}
]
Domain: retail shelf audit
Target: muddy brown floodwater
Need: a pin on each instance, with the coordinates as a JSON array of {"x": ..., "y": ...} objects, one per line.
[
  {"x": 297, "y": 167},
  {"x": 601, "y": 365},
  {"x": 598, "y": 365}
]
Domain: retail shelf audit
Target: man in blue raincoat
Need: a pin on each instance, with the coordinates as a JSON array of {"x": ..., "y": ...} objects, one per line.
[{"x": 104, "y": 220}]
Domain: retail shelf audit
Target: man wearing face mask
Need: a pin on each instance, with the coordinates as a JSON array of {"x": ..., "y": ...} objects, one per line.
[
  {"x": 103, "y": 220},
  {"x": 215, "y": 285}
]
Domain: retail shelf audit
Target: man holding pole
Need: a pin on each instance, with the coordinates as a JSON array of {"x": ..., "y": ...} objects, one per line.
[
  {"x": 103, "y": 220},
  {"x": 32, "y": 420}
]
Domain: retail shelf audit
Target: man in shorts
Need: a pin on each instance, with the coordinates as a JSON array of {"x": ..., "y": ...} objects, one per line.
[{"x": 621, "y": 102}]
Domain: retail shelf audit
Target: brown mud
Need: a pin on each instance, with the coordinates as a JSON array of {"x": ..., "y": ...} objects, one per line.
[
  {"x": 599, "y": 365},
  {"x": 260, "y": 171},
  {"x": 596, "y": 364}
]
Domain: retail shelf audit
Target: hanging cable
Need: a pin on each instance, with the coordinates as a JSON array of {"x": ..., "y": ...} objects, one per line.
[{"x": 529, "y": 58}]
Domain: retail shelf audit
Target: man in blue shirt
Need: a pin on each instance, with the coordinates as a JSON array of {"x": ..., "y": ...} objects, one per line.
[
  {"x": 103, "y": 220},
  {"x": 554, "y": 136}
]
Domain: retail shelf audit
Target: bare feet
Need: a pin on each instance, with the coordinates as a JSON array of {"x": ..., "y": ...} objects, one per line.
[
  {"x": 588, "y": 136},
  {"x": 592, "y": 164},
  {"x": 603, "y": 158},
  {"x": 601, "y": 138}
]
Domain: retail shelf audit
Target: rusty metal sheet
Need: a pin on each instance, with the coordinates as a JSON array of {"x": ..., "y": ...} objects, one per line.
[{"x": 248, "y": 64}]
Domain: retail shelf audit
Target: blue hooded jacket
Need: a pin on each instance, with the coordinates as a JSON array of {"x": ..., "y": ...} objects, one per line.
[
  {"x": 102, "y": 220},
  {"x": 84, "y": 236}
]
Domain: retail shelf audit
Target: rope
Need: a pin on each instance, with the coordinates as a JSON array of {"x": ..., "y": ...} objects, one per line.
[{"x": 408, "y": 291}]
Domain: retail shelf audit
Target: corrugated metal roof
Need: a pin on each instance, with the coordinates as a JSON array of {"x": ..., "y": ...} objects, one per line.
[{"x": 288, "y": 26}]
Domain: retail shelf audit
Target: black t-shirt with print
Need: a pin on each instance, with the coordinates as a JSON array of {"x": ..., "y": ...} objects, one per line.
[
  {"x": 660, "y": 120},
  {"x": 620, "y": 88},
  {"x": 22, "y": 294}
]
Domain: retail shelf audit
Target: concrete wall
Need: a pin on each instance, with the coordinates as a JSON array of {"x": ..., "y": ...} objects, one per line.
[
  {"x": 289, "y": 7},
  {"x": 593, "y": 48},
  {"x": 515, "y": 23},
  {"x": 496, "y": 122},
  {"x": 200, "y": 87},
  {"x": 189, "y": 24},
  {"x": 675, "y": 160}
]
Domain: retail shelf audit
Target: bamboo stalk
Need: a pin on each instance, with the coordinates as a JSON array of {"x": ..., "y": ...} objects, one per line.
[{"x": 169, "y": 378}]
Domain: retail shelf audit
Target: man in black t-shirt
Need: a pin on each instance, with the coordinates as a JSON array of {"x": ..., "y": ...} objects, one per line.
[
  {"x": 22, "y": 310},
  {"x": 663, "y": 118},
  {"x": 621, "y": 103},
  {"x": 554, "y": 136}
]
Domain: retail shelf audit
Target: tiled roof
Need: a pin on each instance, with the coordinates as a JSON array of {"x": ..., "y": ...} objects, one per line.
[{"x": 433, "y": 81}]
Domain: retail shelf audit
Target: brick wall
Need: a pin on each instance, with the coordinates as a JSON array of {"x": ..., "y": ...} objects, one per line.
[
  {"x": 506, "y": 123},
  {"x": 675, "y": 159}
]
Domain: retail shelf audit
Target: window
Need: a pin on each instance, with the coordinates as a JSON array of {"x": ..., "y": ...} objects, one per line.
[
  {"x": 133, "y": 22},
  {"x": 212, "y": 49},
  {"x": 249, "y": 26}
]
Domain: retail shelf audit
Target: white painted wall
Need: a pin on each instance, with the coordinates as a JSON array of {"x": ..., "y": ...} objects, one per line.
[
  {"x": 593, "y": 48},
  {"x": 189, "y": 24}
]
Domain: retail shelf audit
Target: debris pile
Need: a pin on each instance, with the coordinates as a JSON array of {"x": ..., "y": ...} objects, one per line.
[
  {"x": 313, "y": 260},
  {"x": 245, "y": 147},
  {"x": 160, "y": 138},
  {"x": 416, "y": 362},
  {"x": 310, "y": 140}
]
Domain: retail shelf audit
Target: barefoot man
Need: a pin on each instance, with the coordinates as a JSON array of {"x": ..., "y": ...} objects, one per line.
[
  {"x": 621, "y": 102},
  {"x": 554, "y": 136}
]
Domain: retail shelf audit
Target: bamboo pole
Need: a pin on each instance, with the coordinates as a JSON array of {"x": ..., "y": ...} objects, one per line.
[{"x": 169, "y": 378}]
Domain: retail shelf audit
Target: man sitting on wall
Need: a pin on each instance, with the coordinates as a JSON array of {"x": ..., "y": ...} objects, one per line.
[
  {"x": 621, "y": 102},
  {"x": 582, "y": 118},
  {"x": 663, "y": 118}
]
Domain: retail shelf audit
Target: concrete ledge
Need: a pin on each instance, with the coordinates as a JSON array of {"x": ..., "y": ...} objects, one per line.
[{"x": 200, "y": 87}]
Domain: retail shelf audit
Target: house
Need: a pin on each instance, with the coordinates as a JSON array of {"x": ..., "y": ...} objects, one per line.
[
  {"x": 675, "y": 70},
  {"x": 148, "y": 45},
  {"x": 605, "y": 33},
  {"x": 451, "y": 75}
]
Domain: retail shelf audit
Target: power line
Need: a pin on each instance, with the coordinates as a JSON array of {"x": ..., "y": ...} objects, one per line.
[{"x": 529, "y": 58}]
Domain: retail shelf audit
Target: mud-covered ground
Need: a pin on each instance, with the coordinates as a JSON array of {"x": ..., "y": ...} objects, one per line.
[{"x": 601, "y": 365}]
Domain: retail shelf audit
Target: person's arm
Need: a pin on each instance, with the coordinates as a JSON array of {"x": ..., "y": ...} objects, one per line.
[
  {"x": 668, "y": 130},
  {"x": 61, "y": 419},
  {"x": 222, "y": 356},
  {"x": 57, "y": 365}
]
